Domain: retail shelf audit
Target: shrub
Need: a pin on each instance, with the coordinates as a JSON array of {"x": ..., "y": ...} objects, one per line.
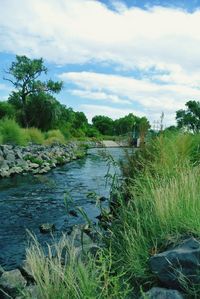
[
  {"x": 34, "y": 135},
  {"x": 66, "y": 132},
  {"x": 54, "y": 136},
  {"x": 11, "y": 132}
]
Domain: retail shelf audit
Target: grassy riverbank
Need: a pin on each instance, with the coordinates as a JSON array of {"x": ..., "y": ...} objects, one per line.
[{"x": 159, "y": 205}]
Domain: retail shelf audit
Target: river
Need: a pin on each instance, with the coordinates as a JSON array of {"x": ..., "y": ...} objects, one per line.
[{"x": 28, "y": 201}]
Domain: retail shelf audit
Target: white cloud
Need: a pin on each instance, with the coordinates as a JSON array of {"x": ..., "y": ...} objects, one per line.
[
  {"x": 147, "y": 97},
  {"x": 114, "y": 113},
  {"x": 94, "y": 95},
  {"x": 78, "y": 31}
]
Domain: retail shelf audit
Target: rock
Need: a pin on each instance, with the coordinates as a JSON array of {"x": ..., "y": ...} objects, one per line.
[
  {"x": 47, "y": 228},
  {"x": 73, "y": 213},
  {"x": 1, "y": 270},
  {"x": 33, "y": 291},
  {"x": 11, "y": 282},
  {"x": 33, "y": 165},
  {"x": 26, "y": 271},
  {"x": 10, "y": 157},
  {"x": 16, "y": 169},
  {"x": 34, "y": 158},
  {"x": 102, "y": 198},
  {"x": 4, "y": 173},
  {"x": 179, "y": 264},
  {"x": 160, "y": 293}
]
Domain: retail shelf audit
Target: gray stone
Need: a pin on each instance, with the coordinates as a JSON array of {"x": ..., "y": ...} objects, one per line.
[
  {"x": 26, "y": 271},
  {"x": 33, "y": 165},
  {"x": 178, "y": 265},
  {"x": 47, "y": 228},
  {"x": 10, "y": 157},
  {"x": 1, "y": 270},
  {"x": 160, "y": 293},
  {"x": 4, "y": 173},
  {"x": 12, "y": 282}
]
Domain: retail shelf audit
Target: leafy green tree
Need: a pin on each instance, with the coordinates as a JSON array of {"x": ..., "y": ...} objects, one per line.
[
  {"x": 43, "y": 111},
  {"x": 104, "y": 124},
  {"x": 143, "y": 126},
  {"x": 189, "y": 118},
  {"x": 125, "y": 124},
  {"x": 6, "y": 110},
  {"x": 24, "y": 75},
  {"x": 80, "y": 121}
]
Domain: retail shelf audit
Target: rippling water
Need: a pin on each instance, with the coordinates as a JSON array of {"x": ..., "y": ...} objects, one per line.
[{"x": 28, "y": 201}]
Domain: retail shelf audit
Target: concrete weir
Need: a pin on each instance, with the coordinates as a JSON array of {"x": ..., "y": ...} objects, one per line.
[{"x": 111, "y": 143}]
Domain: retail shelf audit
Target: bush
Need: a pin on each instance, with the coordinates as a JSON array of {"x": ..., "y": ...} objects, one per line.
[
  {"x": 65, "y": 130},
  {"x": 54, "y": 136},
  {"x": 11, "y": 132},
  {"x": 34, "y": 135}
]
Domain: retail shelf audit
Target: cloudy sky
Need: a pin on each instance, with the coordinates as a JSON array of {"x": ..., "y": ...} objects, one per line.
[{"x": 114, "y": 57}]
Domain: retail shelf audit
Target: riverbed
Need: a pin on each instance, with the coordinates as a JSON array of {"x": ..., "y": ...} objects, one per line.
[{"x": 28, "y": 201}]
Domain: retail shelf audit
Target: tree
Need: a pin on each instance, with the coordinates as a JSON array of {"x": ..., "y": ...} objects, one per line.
[
  {"x": 80, "y": 120},
  {"x": 143, "y": 129},
  {"x": 6, "y": 110},
  {"x": 43, "y": 111},
  {"x": 189, "y": 118},
  {"x": 104, "y": 124},
  {"x": 125, "y": 124},
  {"x": 24, "y": 75}
]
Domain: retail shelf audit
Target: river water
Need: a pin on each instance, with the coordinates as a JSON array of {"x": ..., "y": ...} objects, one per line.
[{"x": 28, "y": 201}]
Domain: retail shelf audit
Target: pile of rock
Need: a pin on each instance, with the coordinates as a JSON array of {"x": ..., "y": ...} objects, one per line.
[{"x": 36, "y": 159}]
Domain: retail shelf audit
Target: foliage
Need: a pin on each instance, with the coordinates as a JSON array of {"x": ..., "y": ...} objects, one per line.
[
  {"x": 24, "y": 75},
  {"x": 11, "y": 132},
  {"x": 34, "y": 135},
  {"x": 6, "y": 110},
  {"x": 33, "y": 159},
  {"x": 104, "y": 124},
  {"x": 54, "y": 136},
  {"x": 43, "y": 111},
  {"x": 125, "y": 124},
  {"x": 189, "y": 118}
]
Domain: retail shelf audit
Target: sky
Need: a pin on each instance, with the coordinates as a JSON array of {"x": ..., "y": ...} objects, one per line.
[{"x": 114, "y": 56}]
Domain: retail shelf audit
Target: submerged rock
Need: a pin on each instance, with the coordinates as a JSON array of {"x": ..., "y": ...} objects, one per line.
[
  {"x": 161, "y": 293},
  {"x": 47, "y": 228},
  {"x": 179, "y": 265}
]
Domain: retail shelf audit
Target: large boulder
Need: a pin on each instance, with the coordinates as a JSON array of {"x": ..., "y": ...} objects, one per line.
[
  {"x": 11, "y": 282},
  {"x": 179, "y": 265},
  {"x": 161, "y": 293}
]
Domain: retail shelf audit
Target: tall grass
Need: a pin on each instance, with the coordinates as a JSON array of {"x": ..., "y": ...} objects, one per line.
[
  {"x": 163, "y": 203},
  {"x": 11, "y": 132},
  {"x": 67, "y": 274},
  {"x": 54, "y": 136},
  {"x": 34, "y": 135}
]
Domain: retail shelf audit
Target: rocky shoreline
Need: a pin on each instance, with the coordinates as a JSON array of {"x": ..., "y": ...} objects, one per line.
[{"x": 36, "y": 159}]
